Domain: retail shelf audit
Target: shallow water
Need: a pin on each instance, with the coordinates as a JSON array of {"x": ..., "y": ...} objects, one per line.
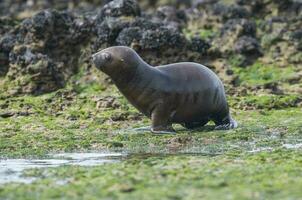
[
  {"x": 11, "y": 170},
  {"x": 293, "y": 146}
]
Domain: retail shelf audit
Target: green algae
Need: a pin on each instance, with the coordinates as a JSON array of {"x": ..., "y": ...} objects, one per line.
[
  {"x": 67, "y": 121},
  {"x": 260, "y": 74},
  {"x": 260, "y": 159},
  {"x": 265, "y": 101},
  {"x": 273, "y": 175},
  {"x": 248, "y": 162},
  {"x": 204, "y": 34}
]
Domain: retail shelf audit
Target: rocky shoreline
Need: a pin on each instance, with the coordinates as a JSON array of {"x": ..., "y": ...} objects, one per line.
[{"x": 40, "y": 52}]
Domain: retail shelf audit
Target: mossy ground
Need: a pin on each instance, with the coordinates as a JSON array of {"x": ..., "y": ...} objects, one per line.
[
  {"x": 254, "y": 161},
  {"x": 273, "y": 175}
]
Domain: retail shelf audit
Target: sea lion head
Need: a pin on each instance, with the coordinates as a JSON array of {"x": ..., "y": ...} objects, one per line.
[{"x": 117, "y": 60}]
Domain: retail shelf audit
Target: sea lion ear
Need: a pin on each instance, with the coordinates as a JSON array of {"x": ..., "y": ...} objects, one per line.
[{"x": 106, "y": 56}]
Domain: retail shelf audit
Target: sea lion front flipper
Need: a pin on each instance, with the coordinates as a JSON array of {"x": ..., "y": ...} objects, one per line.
[{"x": 161, "y": 121}]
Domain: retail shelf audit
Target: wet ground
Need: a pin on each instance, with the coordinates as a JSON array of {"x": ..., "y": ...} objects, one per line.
[
  {"x": 11, "y": 170},
  {"x": 259, "y": 159}
]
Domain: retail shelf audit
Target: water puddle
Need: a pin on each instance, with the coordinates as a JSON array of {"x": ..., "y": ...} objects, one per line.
[
  {"x": 11, "y": 170},
  {"x": 260, "y": 149},
  {"x": 293, "y": 146}
]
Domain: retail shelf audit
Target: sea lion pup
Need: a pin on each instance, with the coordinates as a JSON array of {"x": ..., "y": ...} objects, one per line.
[{"x": 186, "y": 93}]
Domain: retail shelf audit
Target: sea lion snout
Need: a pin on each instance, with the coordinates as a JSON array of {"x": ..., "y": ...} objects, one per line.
[{"x": 100, "y": 59}]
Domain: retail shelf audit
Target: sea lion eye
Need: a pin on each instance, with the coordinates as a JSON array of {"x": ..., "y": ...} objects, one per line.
[{"x": 106, "y": 56}]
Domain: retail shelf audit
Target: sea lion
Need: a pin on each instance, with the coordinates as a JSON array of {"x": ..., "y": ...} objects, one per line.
[{"x": 186, "y": 93}]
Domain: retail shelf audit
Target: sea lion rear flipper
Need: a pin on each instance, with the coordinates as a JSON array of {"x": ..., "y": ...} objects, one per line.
[
  {"x": 225, "y": 124},
  {"x": 161, "y": 121}
]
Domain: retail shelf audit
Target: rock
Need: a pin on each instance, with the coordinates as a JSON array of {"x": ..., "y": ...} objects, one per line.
[
  {"x": 247, "y": 45},
  {"x": 112, "y": 19},
  {"x": 281, "y": 41},
  {"x": 199, "y": 45},
  {"x": 160, "y": 38},
  {"x": 237, "y": 38},
  {"x": 118, "y": 8},
  {"x": 171, "y": 17},
  {"x": 259, "y": 8},
  {"x": 107, "y": 102},
  {"x": 7, "y": 40},
  {"x": 248, "y": 50},
  {"x": 230, "y": 33},
  {"x": 144, "y": 32},
  {"x": 129, "y": 36},
  {"x": 239, "y": 27},
  {"x": 49, "y": 47},
  {"x": 6, "y": 44},
  {"x": 230, "y": 12},
  {"x": 46, "y": 51},
  {"x": 41, "y": 50},
  {"x": 204, "y": 3},
  {"x": 254, "y": 6},
  {"x": 27, "y": 8}
]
